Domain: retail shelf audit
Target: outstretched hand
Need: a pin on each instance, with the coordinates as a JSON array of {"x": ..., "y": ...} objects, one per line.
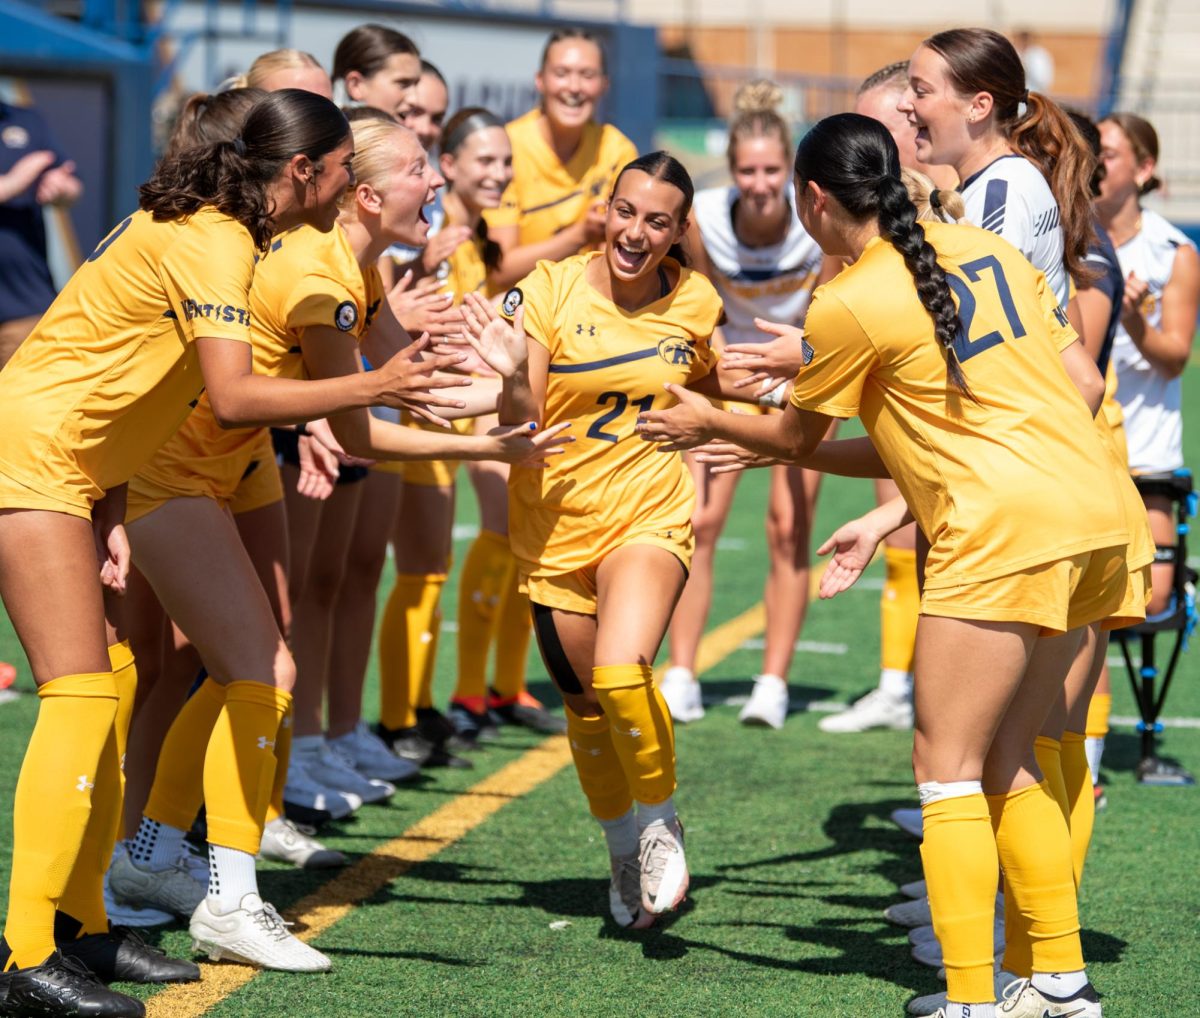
[
  {"x": 524, "y": 445},
  {"x": 499, "y": 343},
  {"x": 853, "y": 545},
  {"x": 723, "y": 457},
  {"x": 780, "y": 358},
  {"x": 409, "y": 379},
  {"x": 680, "y": 427}
]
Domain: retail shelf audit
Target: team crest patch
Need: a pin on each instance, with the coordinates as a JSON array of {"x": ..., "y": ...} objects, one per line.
[
  {"x": 346, "y": 315},
  {"x": 677, "y": 350},
  {"x": 806, "y": 352},
  {"x": 512, "y": 300},
  {"x": 15, "y": 136}
]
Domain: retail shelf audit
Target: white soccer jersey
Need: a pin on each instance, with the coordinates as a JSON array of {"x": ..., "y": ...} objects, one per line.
[
  {"x": 773, "y": 282},
  {"x": 1150, "y": 401},
  {"x": 1011, "y": 198}
]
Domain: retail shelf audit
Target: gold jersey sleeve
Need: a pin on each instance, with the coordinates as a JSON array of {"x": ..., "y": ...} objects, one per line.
[
  {"x": 1013, "y": 478},
  {"x": 111, "y": 370},
  {"x": 546, "y": 195},
  {"x": 306, "y": 279},
  {"x": 606, "y": 366}
]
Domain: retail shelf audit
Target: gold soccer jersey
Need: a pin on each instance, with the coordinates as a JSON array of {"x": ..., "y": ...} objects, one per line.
[
  {"x": 545, "y": 195},
  {"x": 607, "y": 365},
  {"x": 1017, "y": 479},
  {"x": 111, "y": 370},
  {"x": 307, "y": 278}
]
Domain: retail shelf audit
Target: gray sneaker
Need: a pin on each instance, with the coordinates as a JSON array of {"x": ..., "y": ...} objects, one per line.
[
  {"x": 174, "y": 889},
  {"x": 284, "y": 841}
]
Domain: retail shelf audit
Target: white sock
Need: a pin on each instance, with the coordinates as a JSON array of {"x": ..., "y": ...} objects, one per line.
[
  {"x": 1094, "y": 748},
  {"x": 970, "y": 1010},
  {"x": 621, "y": 834},
  {"x": 155, "y": 846},
  {"x": 1063, "y": 985},
  {"x": 896, "y": 684},
  {"x": 774, "y": 678},
  {"x": 677, "y": 673},
  {"x": 648, "y": 814},
  {"x": 231, "y": 877}
]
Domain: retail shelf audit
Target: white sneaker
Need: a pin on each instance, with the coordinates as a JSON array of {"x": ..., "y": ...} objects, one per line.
[
  {"x": 682, "y": 693},
  {"x": 284, "y": 841},
  {"x": 664, "y": 869},
  {"x": 175, "y": 889},
  {"x": 121, "y": 914},
  {"x": 875, "y": 710},
  {"x": 370, "y": 756},
  {"x": 909, "y": 821},
  {"x": 1022, "y": 1000},
  {"x": 625, "y": 893},
  {"x": 768, "y": 703},
  {"x": 254, "y": 934},
  {"x": 333, "y": 769},
  {"x": 303, "y": 790}
]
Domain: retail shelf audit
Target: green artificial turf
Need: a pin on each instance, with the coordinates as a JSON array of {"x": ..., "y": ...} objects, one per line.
[{"x": 792, "y": 855}]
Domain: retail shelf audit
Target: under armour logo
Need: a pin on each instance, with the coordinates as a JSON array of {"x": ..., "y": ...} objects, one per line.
[
  {"x": 265, "y": 743},
  {"x": 591, "y": 330},
  {"x": 589, "y": 752},
  {"x": 84, "y": 785},
  {"x": 633, "y": 733}
]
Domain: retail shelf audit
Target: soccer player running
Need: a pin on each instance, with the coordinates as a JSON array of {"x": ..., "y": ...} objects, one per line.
[
  {"x": 930, "y": 336},
  {"x": 603, "y": 537}
]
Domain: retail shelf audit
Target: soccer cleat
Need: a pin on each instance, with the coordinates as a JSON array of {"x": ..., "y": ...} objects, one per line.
[
  {"x": 175, "y": 889},
  {"x": 909, "y": 913},
  {"x": 526, "y": 710},
  {"x": 307, "y": 800},
  {"x": 933, "y": 1004},
  {"x": 332, "y": 768},
  {"x": 920, "y": 934},
  {"x": 62, "y": 986},
  {"x": 121, "y": 955},
  {"x": 682, "y": 693},
  {"x": 473, "y": 724},
  {"x": 406, "y": 743},
  {"x": 664, "y": 866},
  {"x": 369, "y": 755},
  {"x": 1100, "y": 797},
  {"x": 909, "y": 821},
  {"x": 254, "y": 934},
  {"x": 625, "y": 893},
  {"x": 121, "y": 914},
  {"x": 283, "y": 841},
  {"x": 1023, "y": 1000},
  {"x": 875, "y": 710},
  {"x": 768, "y": 703},
  {"x": 914, "y": 889}
]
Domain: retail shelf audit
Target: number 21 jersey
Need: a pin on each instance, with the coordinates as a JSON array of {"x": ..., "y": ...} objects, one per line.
[{"x": 607, "y": 365}]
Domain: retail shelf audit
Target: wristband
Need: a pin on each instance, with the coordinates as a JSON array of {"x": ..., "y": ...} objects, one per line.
[{"x": 776, "y": 397}]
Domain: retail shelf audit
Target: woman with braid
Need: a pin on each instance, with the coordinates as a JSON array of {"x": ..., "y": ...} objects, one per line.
[{"x": 931, "y": 336}]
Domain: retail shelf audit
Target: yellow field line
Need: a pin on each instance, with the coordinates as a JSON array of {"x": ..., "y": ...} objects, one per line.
[{"x": 443, "y": 827}]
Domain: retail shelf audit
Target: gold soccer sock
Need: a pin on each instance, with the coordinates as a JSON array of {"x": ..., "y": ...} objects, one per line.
[
  {"x": 178, "y": 790},
  {"x": 52, "y": 806},
  {"x": 599, "y": 768},
  {"x": 82, "y": 903},
  {"x": 283, "y": 756},
  {"x": 1048, "y": 752},
  {"x": 640, "y": 724},
  {"x": 958, "y": 853},
  {"x": 429, "y": 648},
  {"x": 1078, "y": 779},
  {"x": 514, "y": 627},
  {"x": 239, "y": 766},
  {"x": 1034, "y": 846},
  {"x": 899, "y": 606},
  {"x": 486, "y": 569},
  {"x": 404, "y": 635}
]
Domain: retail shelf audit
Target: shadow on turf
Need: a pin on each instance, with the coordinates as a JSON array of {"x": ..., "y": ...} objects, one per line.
[{"x": 720, "y": 688}]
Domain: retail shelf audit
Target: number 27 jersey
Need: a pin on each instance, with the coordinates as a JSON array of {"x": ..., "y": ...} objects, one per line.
[{"x": 607, "y": 365}]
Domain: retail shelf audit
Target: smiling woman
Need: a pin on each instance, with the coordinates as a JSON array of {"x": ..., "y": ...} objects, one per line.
[{"x": 603, "y": 537}]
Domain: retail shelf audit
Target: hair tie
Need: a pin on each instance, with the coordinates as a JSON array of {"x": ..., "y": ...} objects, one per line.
[
  {"x": 1025, "y": 96},
  {"x": 239, "y": 146},
  {"x": 935, "y": 199}
]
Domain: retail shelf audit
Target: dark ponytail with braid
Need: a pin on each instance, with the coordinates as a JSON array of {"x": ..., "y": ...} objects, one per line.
[{"x": 855, "y": 159}]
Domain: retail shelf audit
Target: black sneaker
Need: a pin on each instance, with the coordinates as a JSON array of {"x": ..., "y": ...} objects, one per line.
[
  {"x": 526, "y": 711},
  {"x": 407, "y": 743},
  {"x": 121, "y": 955},
  {"x": 473, "y": 728},
  {"x": 62, "y": 986},
  {"x": 441, "y": 734}
]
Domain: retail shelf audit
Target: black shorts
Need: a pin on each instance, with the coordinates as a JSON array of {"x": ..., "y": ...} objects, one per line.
[{"x": 287, "y": 452}]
